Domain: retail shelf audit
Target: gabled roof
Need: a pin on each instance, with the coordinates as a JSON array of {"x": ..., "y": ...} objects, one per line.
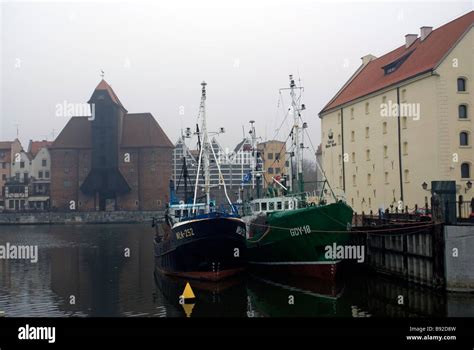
[
  {"x": 35, "y": 146},
  {"x": 76, "y": 134},
  {"x": 142, "y": 130},
  {"x": 139, "y": 130},
  {"x": 426, "y": 56}
]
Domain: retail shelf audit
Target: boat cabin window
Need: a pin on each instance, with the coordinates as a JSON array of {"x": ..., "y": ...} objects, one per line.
[
  {"x": 286, "y": 205},
  {"x": 271, "y": 206},
  {"x": 264, "y": 206},
  {"x": 185, "y": 212},
  {"x": 177, "y": 213},
  {"x": 278, "y": 205},
  {"x": 256, "y": 207}
]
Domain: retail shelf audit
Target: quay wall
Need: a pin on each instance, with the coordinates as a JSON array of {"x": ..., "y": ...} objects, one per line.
[
  {"x": 459, "y": 259},
  {"x": 93, "y": 217}
]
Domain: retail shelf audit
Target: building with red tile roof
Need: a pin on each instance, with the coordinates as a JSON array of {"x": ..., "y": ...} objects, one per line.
[
  {"x": 35, "y": 146},
  {"x": 425, "y": 54},
  {"x": 404, "y": 119}
]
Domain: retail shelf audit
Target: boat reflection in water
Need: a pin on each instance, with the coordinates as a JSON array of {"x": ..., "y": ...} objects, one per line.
[
  {"x": 290, "y": 296},
  {"x": 226, "y": 298}
]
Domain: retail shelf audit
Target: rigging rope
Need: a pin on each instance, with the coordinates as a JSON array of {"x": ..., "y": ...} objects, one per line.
[{"x": 221, "y": 177}]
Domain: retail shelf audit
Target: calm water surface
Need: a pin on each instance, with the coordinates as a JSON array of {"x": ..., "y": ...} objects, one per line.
[{"x": 85, "y": 271}]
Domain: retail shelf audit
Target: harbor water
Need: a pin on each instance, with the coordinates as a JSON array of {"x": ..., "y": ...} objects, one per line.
[{"x": 109, "y": 271}]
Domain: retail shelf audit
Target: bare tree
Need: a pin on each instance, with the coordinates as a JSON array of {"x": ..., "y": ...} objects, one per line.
[{"x": 310, "y": 175}]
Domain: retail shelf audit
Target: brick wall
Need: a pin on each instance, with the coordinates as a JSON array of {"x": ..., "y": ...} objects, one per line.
[
  {"x": 64, "y": 178},
  {"x": 148, "y": 173}
]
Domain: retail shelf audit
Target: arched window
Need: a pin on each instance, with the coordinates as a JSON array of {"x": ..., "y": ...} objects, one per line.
[
  {"x": 465, "y": 170},
  {"x": 462, "y": 112},
  {"x": 461, "y": 84},
  {"x": 464, "y": 138}
]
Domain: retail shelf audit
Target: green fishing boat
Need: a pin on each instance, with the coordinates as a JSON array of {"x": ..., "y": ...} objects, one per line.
[
  {"x": 290, "y": 231},
  {"x": 295, "y": 241}
]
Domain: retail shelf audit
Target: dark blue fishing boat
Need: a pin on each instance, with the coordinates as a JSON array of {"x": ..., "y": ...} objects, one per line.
[{"x": 197, "y": 240}]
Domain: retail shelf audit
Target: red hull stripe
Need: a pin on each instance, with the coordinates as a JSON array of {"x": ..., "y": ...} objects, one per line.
[
  {"x": 321, "y": 271},
  {"x": 204, "y": 275}
]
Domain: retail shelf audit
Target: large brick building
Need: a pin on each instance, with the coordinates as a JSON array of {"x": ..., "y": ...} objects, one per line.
[{"x": 114, "y": 160}]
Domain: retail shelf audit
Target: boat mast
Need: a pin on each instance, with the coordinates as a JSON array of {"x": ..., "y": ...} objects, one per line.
[
  {"x": 205, "y": 148},
  {"x": 256, "y": 172},
  {"x": 253, "y": 141},
  {"x": 298, "y": 145}
]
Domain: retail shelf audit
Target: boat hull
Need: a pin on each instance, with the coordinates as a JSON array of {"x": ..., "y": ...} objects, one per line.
[
  {"x": 207, "y": 249},
  {"x": 317, "y": 269},
  {"x": 295, "y": 241}
]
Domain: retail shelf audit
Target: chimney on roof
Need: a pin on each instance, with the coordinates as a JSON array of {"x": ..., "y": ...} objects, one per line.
[
  {"x": 367, "y": 58},
  {"x": 424, "y": 32},
  {"x": 410, "y": 39}
]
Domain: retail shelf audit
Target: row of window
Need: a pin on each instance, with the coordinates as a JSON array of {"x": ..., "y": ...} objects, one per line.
[
  {"x": 271, "y": 156},
  {"x": 41, "y": 175},
  {"x": 465, "y": 174},
  {"x": 464, "y": 140},
  {"x": 462, "y": 110},
  {"x": 44, "y": 162},
  {"x": 369, "y": 178},
  {"x": 274, "y": 171},
  {"x": 367, "y": 106},
  {"x": 462, "y": 114}
]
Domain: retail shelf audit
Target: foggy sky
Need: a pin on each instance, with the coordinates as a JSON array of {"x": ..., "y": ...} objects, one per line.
[{"x": 155, "y": 55}]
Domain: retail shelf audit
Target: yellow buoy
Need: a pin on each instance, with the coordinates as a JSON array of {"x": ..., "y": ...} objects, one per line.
[{"x": 188, "y": 292}]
